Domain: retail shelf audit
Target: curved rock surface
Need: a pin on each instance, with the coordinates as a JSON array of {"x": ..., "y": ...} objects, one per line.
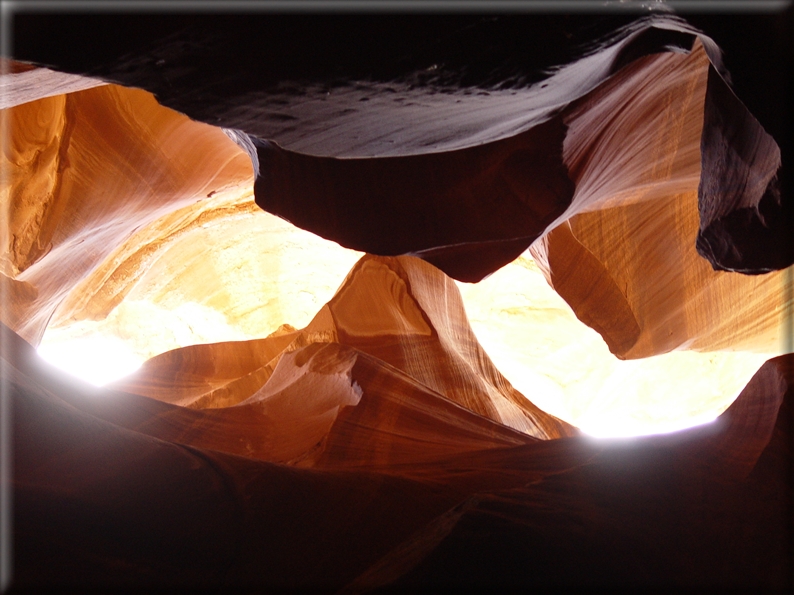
[
  {"x": 377, "y": 445},
  {"x": 387, "y": 308},
  {"x": 113, "y": 489},
  {"x": 85, "y": 170},
  {"x": 432, "y": 84}
]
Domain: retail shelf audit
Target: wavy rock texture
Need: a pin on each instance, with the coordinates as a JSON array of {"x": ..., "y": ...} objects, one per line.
[
  {"x": 217, "y": 270},
  {"x": 109, "y": 487},
  {"x": 387, "y": 308},
  {"x": 566, "y": 368},
  {"x": 418, "y": 86},
  {"x": 651, "y": 192},
  {"x": 375, "y": 445},
  {"x": 66, "y": 154}
]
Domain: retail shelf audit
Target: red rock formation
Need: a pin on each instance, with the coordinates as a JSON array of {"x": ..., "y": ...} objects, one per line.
[
  {"x": 468, "y": 211},
  {"x": 641, "y": 165},
  {"x": 379, "y": 446},
  {"x": 387, "y": 309},
  {"x": 116, "y": 490},
  {"x": 85, "y": 170},
  {"x": 424, "y": 86}
]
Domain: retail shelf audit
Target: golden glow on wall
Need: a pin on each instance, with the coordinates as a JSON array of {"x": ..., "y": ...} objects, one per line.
[
  {"x": 565, "y": 368},
  {"x": 242, "y": 275},
  {"x": 232, "y": 277},
  {"x": 183, "y": 256}
]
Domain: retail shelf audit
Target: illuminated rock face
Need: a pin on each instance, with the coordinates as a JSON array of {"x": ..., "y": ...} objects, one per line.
[
  {"x": 387, "y": 308},
  {"x": 84, "y": 171},
  {"x": 567, "y": 369},
  {"x": 406, "y": 489},
  {"x": 295, "y": 428}
]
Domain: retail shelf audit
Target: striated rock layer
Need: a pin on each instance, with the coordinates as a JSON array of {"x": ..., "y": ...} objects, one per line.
[
  {"x": 387, "y": 308},
  {"x": 378, "y": 446},
  {"x": 417, "y": 86},
  {"x": 82, "y": 172},
  {"x": 405, "y": 488}
]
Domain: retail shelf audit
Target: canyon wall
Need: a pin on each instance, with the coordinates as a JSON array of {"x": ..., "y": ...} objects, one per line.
[{"x": 318, "y": 413}]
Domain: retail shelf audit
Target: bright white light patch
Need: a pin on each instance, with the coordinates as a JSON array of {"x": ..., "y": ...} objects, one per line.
[
  {"x": 235, "y": 278},
  {"x": 245, "y": 274},
  {"x": 565, "y": 367},
  {"x": 95, "y": 359},
  {"x": 616, "y": 426},
  {"x": 101, "y": 351}
]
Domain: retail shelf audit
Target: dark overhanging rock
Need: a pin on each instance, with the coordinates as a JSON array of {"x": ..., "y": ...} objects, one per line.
[
  {"x": 253, "y": 71},
  {"x": 744, "y": 223},
  {"x": 471, "y": 211}
]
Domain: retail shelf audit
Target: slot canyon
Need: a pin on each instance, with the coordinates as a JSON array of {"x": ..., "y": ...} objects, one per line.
[{"x": 396, "y": 301}]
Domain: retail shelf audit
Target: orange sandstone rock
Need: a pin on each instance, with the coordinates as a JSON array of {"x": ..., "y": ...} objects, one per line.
[{"x": 84, "y": 171}]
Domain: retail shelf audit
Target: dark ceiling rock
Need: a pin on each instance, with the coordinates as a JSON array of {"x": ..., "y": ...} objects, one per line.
[{"x": 375, "y": 84}]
